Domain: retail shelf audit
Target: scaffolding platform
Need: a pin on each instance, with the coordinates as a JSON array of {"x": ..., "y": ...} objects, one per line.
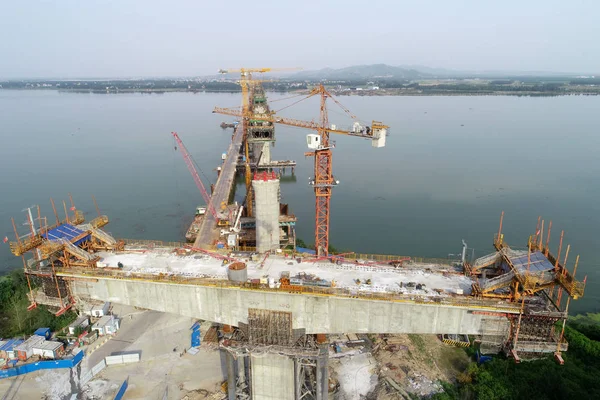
[{"x": 241, "y": 165}]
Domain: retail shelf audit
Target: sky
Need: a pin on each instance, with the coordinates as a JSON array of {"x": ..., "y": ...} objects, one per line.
[{"x": 150, "y": 38}]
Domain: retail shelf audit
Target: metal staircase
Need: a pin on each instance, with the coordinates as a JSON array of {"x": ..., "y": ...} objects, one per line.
[
  {"x": 497, "y": 282},
  {"x": 99, "y": 234},
  {"x": 486, "y": 261},
  {"x": 76, "y": 251}
]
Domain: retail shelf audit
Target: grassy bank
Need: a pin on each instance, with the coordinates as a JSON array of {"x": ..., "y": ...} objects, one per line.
[
  {"x": 15, "y": 320},
  {"x": 502, "y": 379}
]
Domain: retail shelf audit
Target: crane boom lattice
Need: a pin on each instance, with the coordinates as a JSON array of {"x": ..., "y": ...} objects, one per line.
[{"x": 190, "y": 164}]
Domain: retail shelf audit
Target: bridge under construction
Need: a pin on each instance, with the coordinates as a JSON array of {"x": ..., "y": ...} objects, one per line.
[{"x": 277, "y": 304}]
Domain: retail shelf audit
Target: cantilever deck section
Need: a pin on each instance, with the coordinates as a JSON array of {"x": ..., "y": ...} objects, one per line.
[
  {"x": 207, "y": 231},
  {"x": 320, "y": 310}
]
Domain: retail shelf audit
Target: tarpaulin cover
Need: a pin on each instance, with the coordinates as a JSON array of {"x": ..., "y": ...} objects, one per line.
[
  {"x": 538, "y": 263},
  {"x": 8, "y": 346},
  {"x": 303, "y": 250},
  {"x": 67, "y": 232}
]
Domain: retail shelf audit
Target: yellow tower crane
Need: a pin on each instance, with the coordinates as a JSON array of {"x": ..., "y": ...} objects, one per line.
[{"x": 247, "y": 83}]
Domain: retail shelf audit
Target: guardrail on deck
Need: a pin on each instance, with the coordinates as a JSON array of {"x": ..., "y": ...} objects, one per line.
[
  {"x": 153, "y": 243},
  {"x": 385, "y": 258}
]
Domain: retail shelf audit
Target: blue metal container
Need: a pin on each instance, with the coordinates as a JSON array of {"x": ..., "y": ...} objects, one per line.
[
  {"x": 43, "y": 332},
  {"x": 195, "y": 334}
]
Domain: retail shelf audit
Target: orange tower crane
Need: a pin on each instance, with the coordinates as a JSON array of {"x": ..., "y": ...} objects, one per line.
[{"x": 323, "y": 181}]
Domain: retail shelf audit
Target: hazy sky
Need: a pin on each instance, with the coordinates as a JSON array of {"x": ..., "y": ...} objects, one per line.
[{"x": 88, "y": 38}]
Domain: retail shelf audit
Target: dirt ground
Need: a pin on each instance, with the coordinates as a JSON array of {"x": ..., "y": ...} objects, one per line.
[
  {"x": 164, "y": 367},
  {"x": 415, "y": 364},
  {"x": 388, "y": 367}
]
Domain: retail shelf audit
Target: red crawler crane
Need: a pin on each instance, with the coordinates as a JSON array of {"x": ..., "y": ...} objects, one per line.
[{"x": 190, "y": 164}]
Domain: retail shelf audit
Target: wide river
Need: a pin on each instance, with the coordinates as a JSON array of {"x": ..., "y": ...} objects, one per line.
[{"x": 450, "y": 167}]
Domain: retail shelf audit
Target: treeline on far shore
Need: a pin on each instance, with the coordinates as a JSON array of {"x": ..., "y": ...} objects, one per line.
[
  {"x": 518, "y": 86},
  {"x": 141, "y": 86}
]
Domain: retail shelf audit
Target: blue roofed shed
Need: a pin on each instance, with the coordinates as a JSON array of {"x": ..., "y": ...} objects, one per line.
[
  {"x": 43, "y": 332},
  {"x": 7, "y": 349},
  {"x": 67, "y": 232}
]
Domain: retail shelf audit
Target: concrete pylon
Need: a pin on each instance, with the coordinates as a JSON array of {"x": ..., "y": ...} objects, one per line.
[
  {"x": 266, "y": 211},
  {"x": 262, "y": 152}
]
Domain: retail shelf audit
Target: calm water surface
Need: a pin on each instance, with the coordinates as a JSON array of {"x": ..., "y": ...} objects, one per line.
[{"x": 452, "y": 164}]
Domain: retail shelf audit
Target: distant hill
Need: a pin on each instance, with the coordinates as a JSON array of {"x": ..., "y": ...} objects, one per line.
[
  {"x": 362, "y": 72},
  {"x": 436, "y": 72},
  {"x": 411, "y": 72}
]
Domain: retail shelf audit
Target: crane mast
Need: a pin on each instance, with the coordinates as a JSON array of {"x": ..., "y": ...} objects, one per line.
[
  {"x": 190, "y": 164},
  {"x": 323, "y": 181}
]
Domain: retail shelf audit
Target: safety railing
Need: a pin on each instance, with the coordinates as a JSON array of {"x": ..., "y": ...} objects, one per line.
[
  {"x": 573, "y": 287},
  {"x": 486, "y": 261},
  {"x": 247, "y": 248},
  {"x": 497, "y": 282},
  {"x": 31, "y": 242},
  {"x": 535, "y": 281},
  {"x": 99, "y": 234},
  {"x": 534, "y": 346},
  {"x": 153, "y": 243},
  {"x": 26, "y": 244},
  {"x": 79, "y": 218},
  {"x": 49, "y": 247},
  {"x": 99, "y": 222},
  {"x": 390, "y": 258},
  {"x": 77, "y": 251}
]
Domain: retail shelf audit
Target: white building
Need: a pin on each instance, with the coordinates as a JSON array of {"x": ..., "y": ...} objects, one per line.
[
  {"x": 107, "y": 325},
  {"x": 83, "y": 322},
  {"x": 48, "y": 349},
  {"x": 99, "y": 311},
  {"x": 25, "y": 349}
]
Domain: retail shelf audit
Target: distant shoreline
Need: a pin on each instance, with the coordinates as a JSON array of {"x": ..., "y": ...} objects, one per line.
[{"x": 369, "y": 93}]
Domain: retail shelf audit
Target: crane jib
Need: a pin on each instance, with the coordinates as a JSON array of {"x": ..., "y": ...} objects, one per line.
[{"x": 323, "y": 180}]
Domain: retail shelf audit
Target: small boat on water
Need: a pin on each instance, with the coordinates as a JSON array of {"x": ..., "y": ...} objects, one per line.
[{"x": 192, "y": 231}]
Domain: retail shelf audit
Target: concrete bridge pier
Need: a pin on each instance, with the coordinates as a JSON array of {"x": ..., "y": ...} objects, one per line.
[
  {"x": 322, "y": 372},
  {"x": 238, "y": 375},
  {"x": 231, "y": 377},
  {"x": 282, "y": 377}
]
